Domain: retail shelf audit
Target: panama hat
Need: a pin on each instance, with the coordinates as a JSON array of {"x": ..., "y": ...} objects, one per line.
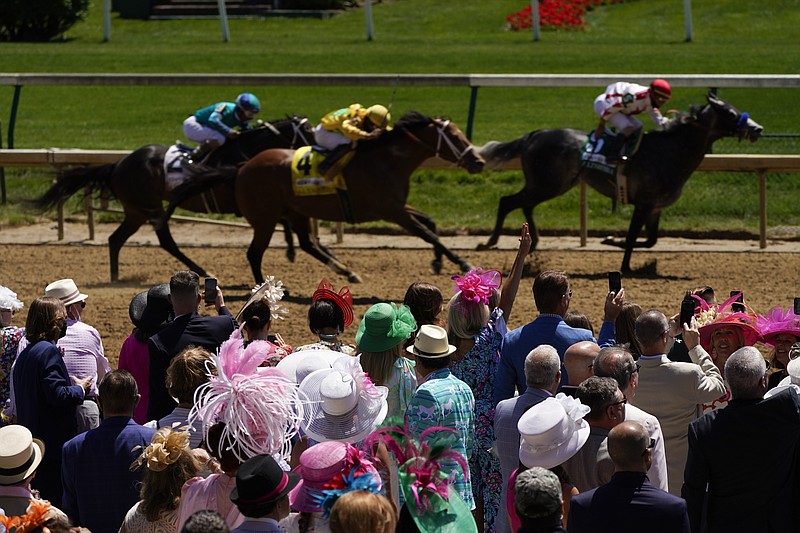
[
  {"x": 384, "y": 326},
  {"x": 342, "y": 299},
  {"x": 260, "y": 482},
  {"x": 343, "y": 404},
  {"x": 298, "y": 365},
  {"x": 431, "y": 341},
  {"x": 319, "y": 466},
  {"x": 20, "y": 454},
  {"x": 150, "y": 310},
  {"x": 66, "y": 291},
  {"x": 552, "y": 431}
]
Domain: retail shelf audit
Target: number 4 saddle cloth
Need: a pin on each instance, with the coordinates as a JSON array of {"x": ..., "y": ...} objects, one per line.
[{"x": 308, "y": 181}]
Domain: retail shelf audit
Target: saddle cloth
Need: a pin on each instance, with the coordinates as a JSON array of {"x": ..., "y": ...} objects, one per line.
[
  {"x": 173, "y": 166},
  {"x": 593, "y": 154},
  {"x": 306, "y": 179}
]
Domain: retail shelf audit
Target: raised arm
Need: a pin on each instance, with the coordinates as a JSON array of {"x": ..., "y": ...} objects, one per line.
[{"x": 509, "y": 292}]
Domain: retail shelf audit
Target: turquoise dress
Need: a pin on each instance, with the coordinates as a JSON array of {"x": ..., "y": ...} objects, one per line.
[{"x": 477, "y": 369}]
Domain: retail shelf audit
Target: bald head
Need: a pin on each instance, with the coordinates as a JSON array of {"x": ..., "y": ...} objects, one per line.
[
  {"x": 578, "y": 360},
  {"x": 629, "y": 447}
]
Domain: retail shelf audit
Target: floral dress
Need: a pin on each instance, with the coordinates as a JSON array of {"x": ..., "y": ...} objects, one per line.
[
  {"x": 477, "y": 369},
  {"x": 9, "y": 341}
]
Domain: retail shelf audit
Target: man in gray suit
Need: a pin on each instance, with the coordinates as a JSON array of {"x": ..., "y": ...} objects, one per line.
[
  {"x": 542, "y": 374},
  {"x": 674, "y": 392}
]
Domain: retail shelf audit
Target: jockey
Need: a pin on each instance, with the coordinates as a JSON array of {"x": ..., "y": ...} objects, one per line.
[
  {"x": 339, "y": 130},
  {"x": 213, "y": 125},
  {"x": 621, "y": 100}
]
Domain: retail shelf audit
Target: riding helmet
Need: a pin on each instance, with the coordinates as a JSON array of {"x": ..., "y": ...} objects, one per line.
[
  {"x": 248, "y": 102},
  {"x": 661, "y": 88},
  {"x": 378, "y": 115}
]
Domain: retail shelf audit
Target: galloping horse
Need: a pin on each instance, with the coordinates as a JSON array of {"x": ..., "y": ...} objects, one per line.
[
  {"x": 377, "y": 179},
  {"x": 138, "y": 182},
  {"x": 656, "y": 174}
]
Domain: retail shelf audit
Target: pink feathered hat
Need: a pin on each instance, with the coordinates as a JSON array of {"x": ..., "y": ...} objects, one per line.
[
  {"x": 777, "y": 322},
  {"x": 724, "y": 317}
]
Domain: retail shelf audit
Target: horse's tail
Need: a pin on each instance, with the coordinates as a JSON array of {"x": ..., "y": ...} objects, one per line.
[
  {"x": 203, "y": 180},
  {"x": 73, "y": 180},
  {"x": 495, "y": 152}
]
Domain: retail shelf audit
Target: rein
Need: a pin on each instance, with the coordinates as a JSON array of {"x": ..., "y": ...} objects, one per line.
[
  {"x": 297, "y": 133},
  {"x": 741, "y": 127},
  {"x": 441, "y": 130}
]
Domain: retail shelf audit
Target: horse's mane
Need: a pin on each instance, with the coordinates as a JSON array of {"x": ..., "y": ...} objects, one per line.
[
  {"x": 680, "y": 120},
  {"x": 410, "y": 121}
]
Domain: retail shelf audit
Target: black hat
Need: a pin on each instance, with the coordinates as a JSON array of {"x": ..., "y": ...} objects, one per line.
[
  {"x": 151, "y": 310},
  {"x": 260, "y": 482}
]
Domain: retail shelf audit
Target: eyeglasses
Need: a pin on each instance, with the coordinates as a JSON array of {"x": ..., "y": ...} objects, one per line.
[
  {"x": 624, "y": 400},
  {"x": 794, "y": 351},
  {"x": 650, "y": 446},
  {"x": 83, "y": 304},
  {"x": 569, "y": 294}
]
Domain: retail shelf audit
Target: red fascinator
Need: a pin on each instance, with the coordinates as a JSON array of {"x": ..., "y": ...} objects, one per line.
[{"x": 342, "y": 299}]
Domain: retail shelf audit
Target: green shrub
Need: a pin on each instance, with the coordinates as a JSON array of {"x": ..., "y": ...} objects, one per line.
[{"x": 39, "y": 20}]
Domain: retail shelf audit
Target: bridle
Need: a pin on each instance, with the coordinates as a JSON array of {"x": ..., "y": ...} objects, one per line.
[
  {"x": 442, "y": 139},
  {"x": 742, "y": 132}
]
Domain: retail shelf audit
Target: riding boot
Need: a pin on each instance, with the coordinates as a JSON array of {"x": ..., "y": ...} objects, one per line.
[
  {"x": 202, "y": 151},
  {"x": 333, "y": 156}
]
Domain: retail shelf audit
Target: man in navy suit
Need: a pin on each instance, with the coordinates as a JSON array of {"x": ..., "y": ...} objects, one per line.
[
  {"x": 628, "y": 503},
  {"x": 188, "y": 329},
  {"x": 99, "y": 486},
  {"x": 552, "y": 294},
  {"x": 742, "y": 472}
]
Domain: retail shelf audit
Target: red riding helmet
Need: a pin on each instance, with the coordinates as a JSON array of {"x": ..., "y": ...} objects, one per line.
[{"x": 661, "y": 89}]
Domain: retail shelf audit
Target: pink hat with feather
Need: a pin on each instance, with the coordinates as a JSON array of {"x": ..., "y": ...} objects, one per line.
[
  {"x": 712, "y": 319},
  {"x": 777, "y": 322}
]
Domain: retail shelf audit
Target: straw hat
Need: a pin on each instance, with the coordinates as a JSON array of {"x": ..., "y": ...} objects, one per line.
[
  {"x": 319, "y": 466},
  {"x": 385, "y": 325},
  {"x": 298, "y": 365},
  {"x": 342, "y": 299},
  {"x": 66, "y": 291},
  {"x": 552, "y": 431},
  {"x": 431, "y": 341},
  {"x": 20, "y": 454},
  {"x": 343, "y": 404}
]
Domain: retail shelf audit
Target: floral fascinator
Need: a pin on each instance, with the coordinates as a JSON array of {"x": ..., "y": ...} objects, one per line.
[
  {"x": 39, "y": 513},
  {"x": 165, "y": 448},
  {"x": 777, "y": 322},
  {"x": 260, "y": 407},
  {"x": 430, "y": 499},
  {"x": 477, "y": 285},
  {"x": 272, "y": 291},
  {"x": 710, "y": 319}
]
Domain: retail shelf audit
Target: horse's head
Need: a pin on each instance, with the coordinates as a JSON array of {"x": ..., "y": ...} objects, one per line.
[
  {"x": 452, "y": 145},
  {"x": 730, "y": 122}
]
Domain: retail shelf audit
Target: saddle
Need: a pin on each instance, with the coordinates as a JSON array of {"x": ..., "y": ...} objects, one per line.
[{"x": 604, "y": 156}]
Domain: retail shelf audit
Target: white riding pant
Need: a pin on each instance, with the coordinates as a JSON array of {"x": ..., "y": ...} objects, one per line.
[
  {"x": 624, "y": 124},
  {"x": 328, "y": 139},
  {"x": 198, "y": 133}
]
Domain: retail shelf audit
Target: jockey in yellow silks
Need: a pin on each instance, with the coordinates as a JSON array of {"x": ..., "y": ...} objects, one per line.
[{"x": 339, "y": 130}]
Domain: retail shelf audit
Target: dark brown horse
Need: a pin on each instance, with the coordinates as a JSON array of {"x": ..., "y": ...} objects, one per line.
[
  {"x": 377, "y": 188},
  {"x": 138, "y": 182},
  {"x": 656, "y": 174}
]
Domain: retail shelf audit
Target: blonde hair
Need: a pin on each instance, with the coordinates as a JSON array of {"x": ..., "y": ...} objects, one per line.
[
  {"x": 186, "y": 372},
  {"x": 465, "y": 318},
  {"x": 380, "y": 365},
  {"x": 361, "y": 511}
]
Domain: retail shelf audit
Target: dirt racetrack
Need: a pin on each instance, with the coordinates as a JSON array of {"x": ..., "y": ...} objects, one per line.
[{"x": 388, "y": 264}]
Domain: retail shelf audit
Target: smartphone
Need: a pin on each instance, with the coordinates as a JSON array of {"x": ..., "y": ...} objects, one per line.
[
  {"x": 210, "y": 289},
  {"x": 687, "y": 310},
  {"x": 272, "y": 338},
  {"x": 737, "y": 307},
  {"x": 614, "y": 282},
  {"x": 797, "y": 306}
]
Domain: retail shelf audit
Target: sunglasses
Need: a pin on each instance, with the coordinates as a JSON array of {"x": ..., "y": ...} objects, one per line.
[
  {"x": 624, "y": 400},
  {"x": 650, "y": 446}
]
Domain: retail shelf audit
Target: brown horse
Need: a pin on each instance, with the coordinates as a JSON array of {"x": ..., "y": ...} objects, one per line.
[
  {"x": 138, "y": 182},
  {"x": 377, "y": 180}
]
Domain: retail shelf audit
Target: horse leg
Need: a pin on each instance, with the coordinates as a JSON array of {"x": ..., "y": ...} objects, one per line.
[
  {"x": 255, "y": 252},
  {"x": 415, "y": 227},
  {"x": 527, "y": 210},
  {"x": 506, "y": 205},
  {"x": 168, "y": 243},
  {"x": 428, "y": 222},
  {"x": 640, "y": 215},
  {"x": 287, "y": 235},
  {"x": 302, "y": 228},
  {"x": 130, "y": 224}
]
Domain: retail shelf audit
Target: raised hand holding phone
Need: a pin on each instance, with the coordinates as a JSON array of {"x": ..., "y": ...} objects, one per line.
[{"x": 210, "y": 291}]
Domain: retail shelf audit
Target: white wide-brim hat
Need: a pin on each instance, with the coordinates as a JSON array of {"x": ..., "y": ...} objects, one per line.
[
  {"x": 20, "y": 454},
  {"x": 66, "y": 291},
  {"x": 551, "y": 432},
  {"x": 298, "y": 365},
  {"x": 431, "y": 341},
  {"x": 339, "y": 408}
]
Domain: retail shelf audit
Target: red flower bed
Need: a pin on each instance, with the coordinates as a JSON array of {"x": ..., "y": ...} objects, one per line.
[{"x": 556, "y": 14}]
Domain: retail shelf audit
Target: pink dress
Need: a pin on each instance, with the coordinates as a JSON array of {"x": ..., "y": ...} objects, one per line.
[
  {"x": 213, "y": 492},
  {"x": 134, "y": 357}
]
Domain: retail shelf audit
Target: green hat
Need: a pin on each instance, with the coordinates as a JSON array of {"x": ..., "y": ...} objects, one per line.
[
  {"x": 384, "y": 326},
  {"x": 444, "y": 516}
]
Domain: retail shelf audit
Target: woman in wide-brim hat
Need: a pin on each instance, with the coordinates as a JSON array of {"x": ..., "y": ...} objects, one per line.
[{"x": 781, "y": 329}]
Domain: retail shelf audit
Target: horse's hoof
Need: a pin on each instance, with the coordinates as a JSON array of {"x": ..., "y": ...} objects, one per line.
[
  {"x": 290, "y": 255},
  {"x": 354, "y": 278},
  {"x": 465, "y": 267},
  {"x": 436, "y": 266},
  {"x": 482, "y": 247}
]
